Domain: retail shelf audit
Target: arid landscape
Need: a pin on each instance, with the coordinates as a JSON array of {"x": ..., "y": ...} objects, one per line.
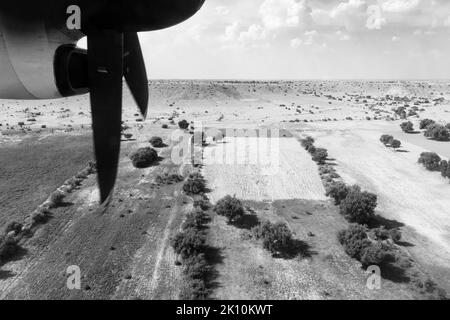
[{"x": 260, "y": 144}]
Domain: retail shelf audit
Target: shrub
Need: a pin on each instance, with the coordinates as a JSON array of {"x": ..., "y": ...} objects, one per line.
[
  {"x": 358, "y": 206},
  {"x": 374, "y": 254},
  {"x": 169, "y": 178},
  {"x": 165, "y": 126},
  {"x": 354, "y": 240},
  {"x": 196, "y": 267},
  {"x": 338, "y": 191},
  {"x": 183, "y": 124},
  {"x": 157, "y": 142},
  {"x": 381, "y": 233},
  {"x": 13, "y": 226},
  {"x": 386, "y": 139},
  {"x": 395, "y": 235},
  {"x": 195, "y": 184},
  {"x": 144, "y": 157},
  {"x": 277, "y": 238},
  {"x": 430, "y": 160},
  {"x": 320, "y": 155},
  {"x": 202, "y": 204},
  {"x": 396, "y": 144},
  {"x": 307, "y": 142},
  {"x": 188, "y": 243},
  {"x": 437, "y": 132},
  {"x": 444, "y": 167},
  {"x": 8, "y": 247},
  {"x": 196, "y": 219},
  {"x": 425, "y": 123},
  {"x": 230, "y": 207},
  {"x": 56, "y": 199},
  {"x": 407, "y": 126},
  {"x": 40, "y": 216},
  {"x": 194, "y": 289}
]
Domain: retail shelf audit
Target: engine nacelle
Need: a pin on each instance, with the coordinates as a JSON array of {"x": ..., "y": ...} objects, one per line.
[{"x": 35, "y": 63}]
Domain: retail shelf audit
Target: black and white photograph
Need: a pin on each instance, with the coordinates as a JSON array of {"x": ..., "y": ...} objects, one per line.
[{"x": 210, "y": 151}]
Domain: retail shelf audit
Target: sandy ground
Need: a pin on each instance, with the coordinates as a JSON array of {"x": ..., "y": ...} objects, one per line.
[{"x": 347, "y": 117}]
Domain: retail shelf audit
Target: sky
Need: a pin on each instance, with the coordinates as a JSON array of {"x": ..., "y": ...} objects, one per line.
[{"x": 305, "y": 39}]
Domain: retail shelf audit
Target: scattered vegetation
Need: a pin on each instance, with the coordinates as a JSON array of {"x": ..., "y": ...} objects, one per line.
[
  {"x": 358, "y": 206},
  {"x": 407, "y": 127},
  {"x": 195, "y": 184},
  {"x": 231, "y": 208},
  {"x": 144, "y": 157},
  {"x": 157, "y": 142}
]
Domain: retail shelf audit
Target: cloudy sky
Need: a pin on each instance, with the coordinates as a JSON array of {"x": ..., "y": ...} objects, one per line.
[{"x": 305, "y": 39}]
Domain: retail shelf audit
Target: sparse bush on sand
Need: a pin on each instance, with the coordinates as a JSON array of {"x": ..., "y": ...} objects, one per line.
[
  {"x": 425, "y": 123},
  {"x": 386, "y": 139},
  {"x": 231, "y": 208},
  {"x": 195, "y": 184},
  {"x": 157, "y": 142},
  {"x": 407, "y": 126},
  {"x": 277, "y": 238},
  {"x": 183, "y": 124},
  {"x": 56, "y": 199},
  {"x": 144, "y": 157},
  {"x": 437, "y": 132},
  {"x": 338, "y": 191},
  {"x": 8, "y": 247},
  {"x": 320, "y": 155},
  {"x": 358, "y": 206},
  {"x": 396, "y": 144},
  {"x": 430, "y": 160},
  {"x": 13, "y": 226}
]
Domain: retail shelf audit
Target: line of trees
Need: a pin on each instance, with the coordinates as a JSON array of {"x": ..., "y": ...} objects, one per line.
[{"x": 433, "y": 162}]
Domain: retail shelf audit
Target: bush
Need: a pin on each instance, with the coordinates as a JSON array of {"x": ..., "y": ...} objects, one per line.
[
  {"x": 407, "y": 126},
  {"x": 202, "y": 203},
  {"x": 157, "y": 142},
  {"x": 13, "y": 226},
  {"x": 189, "y": 243},
  {"x": 196, "y": 219},
  {"x": 430, "y": 160},
  {"x": 307, "y": 142},
  {"x": 230, "y": 207},
  {"x": 354, "y": 240},
  {"x": 425, "y": 123},
  {"x": 358, "y": 206},
  {"x": 277, "y": 238},
  {"x": 40, "y": 216},
  {"x": 395, "y": 235},
  {"x": 437, "y": 132},
  {"x": 320, "y": 155},
  {"x": 144, "y": 157},
  {"x": 56, "y": 199},
  {"x": 196, "y": 267},
  {"x": 8, "y": 247},
  {"x": 396, "y": 144},
  {"x": 338, "y": 191},
  {"x": 386, "y": 139},
  {"x": 444, "y": 167},
  {"x": 183, "y": 124},
  {"x": 194, "y": 289},
  {"x": 375, "y": 254},
  {"x": 195, "y": 184},
  {"x": 168, "y": 179},
  {"x": 165, "y": 126}
]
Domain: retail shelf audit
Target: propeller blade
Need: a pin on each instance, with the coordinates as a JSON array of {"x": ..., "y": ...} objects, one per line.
[
  {"x": 105, "y": 64},
  {"x": 135, "y": 72}
]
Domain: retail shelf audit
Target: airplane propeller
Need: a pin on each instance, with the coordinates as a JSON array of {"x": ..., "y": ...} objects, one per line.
[{"x": 112, "y": 56}]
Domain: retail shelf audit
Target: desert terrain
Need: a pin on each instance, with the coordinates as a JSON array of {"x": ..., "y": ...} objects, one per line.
[{"x": 124, "y": 251}]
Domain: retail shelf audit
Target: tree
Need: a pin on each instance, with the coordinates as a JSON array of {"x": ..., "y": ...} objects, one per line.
[
  {"x": 144, "y": 157},
  {"x": 425, "y": 123},
  {"x": 230, "y": 207},
  {"x": 407, "y": 126},
  {"x": 437, "y": 132},
  {"x": 386, "y": 139},
  {"x": 444, "y": 168},
  {"x": 195, "y": 184},
  {"x": 430, "y": 160},
  {"x": 354, "y": 240},
  {"x": 375, "y": 254},
  {"x": 396, "y": 144},
  {"x": 183, "y": 124},
  {"x": 358, "y": 206},
  {"x": 277, "y": 238},
  {"x": 307, "y": 142},
  {"x": 189, "y": 243},
  {"x": 157, "y": 142},
  {"x": 320, "y": 155},
  {"x": 338, "y": 191}
]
